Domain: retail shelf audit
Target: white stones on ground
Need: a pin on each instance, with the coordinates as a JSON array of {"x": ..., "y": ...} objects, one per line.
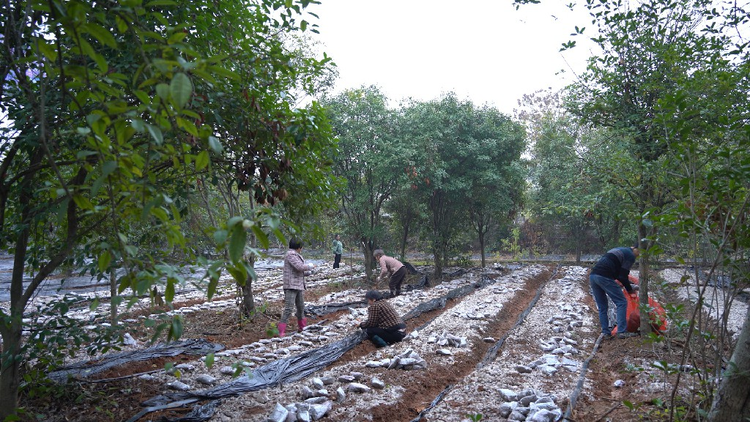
[
  {"x": 523, "y": 369},
  {"x": 448, "y": 339},
  {"x": 619, "y": 383},
  {"x": 128, "y": 340},
  {"x": 147, "y": 377},
  {"x": 346, "y": 378},
  {"x": 227, "y": 370},
  {"x": 489, "y": 340},
  {"x": 413, "y": 335},
  {"x": 205, "y": 379},
  {"x": 307, "y": 392},
  {"x": 327, "y": 380},
  {"x": 306, "y": 343},
  {"x": 185, "y": 367},
  {"x": 317, "y": 383},
  {"x": 178, "y": 385},
  {"x": 257, "y": 359},
  {"x": 444, "y": 352},
  {"x": 294, "y": 348},
  {"x": 529, "y": 406},
  {"x": 279, "y": 414},
  {"x": 340, "y": 395},
  {"x": 377, "y": 384},
  {"x": 356, "y": 387},
  {"x": 317, "y": 411}
]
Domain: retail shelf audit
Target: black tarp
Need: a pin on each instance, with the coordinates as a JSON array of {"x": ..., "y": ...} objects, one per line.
[{"x": 198, "y": 347}]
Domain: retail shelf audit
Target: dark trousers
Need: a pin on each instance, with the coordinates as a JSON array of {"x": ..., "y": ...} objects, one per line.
[
  {"x": 390, "y": 335},
  {"x": 336, "y": 260},
  {"x": 396, "y": 279}
]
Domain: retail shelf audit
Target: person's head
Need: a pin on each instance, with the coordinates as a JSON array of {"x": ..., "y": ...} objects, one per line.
[
  {"x": 337, "y": 237},
  {"x": 377, "y": 253},
  {"x": 372, "y": 295},
  {"x": 635, "y": 249},
  {"x": 295, "y": 244}
]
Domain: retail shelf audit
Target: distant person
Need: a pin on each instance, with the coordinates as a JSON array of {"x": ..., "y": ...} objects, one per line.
[
  {"x": 338, "y": 249},
  {"x": 390, "y": 267},
  {"x": 383, "y": 325},
  {"x": 294, "y": 273},
  {"x": 614, "y": 265}
]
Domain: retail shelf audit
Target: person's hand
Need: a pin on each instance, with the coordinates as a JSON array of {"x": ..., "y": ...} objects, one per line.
[{"x": 634, "y": 294}]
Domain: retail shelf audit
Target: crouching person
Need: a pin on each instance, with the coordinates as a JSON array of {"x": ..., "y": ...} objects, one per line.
[{"x": 383, "y": 325}]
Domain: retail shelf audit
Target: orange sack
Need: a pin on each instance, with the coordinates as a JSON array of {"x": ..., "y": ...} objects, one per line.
[{"x": 657, "y": 316}]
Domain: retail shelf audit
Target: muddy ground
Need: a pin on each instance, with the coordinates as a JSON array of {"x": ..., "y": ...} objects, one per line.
[{"x": 612, "y": 380}]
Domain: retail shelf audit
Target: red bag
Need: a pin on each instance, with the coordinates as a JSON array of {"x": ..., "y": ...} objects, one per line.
[{"x": 657, "y": 316}]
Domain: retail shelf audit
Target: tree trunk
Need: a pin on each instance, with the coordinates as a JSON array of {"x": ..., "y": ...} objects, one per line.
[
  {"x": 481, "y": 247},
  {"x": 367, "y": 248},
  {"x": 247, "y": 307},
  {"x": 112, "y": 295},
  {"x": 732, "y": 400},
  {"x": 10, "y": 373},
  {"x": 403, "y": 241}
]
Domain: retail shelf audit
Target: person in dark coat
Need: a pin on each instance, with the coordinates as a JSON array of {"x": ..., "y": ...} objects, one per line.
[{"x": 613, "y": 265}]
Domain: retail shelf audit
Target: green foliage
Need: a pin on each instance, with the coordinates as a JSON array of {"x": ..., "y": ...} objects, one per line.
[
  {"x": 476, "y": 417},
  {"x": 464, "y": 166},
  {"x": 117, "y": 111}
]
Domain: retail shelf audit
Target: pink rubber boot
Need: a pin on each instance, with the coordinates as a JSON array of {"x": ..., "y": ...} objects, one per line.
[
  {"x": 301, "y": 324},
  {"x": 282, "y": 329}
]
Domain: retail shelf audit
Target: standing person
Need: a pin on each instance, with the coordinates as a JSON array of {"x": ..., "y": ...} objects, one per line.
[
  {"x": 338, "y": 249},
  {"x": 383, "y": 325},
  {"x": 294, "y": 273},
  {"x": 390, "y": 267},
  {"x": 615, "y": 264}
]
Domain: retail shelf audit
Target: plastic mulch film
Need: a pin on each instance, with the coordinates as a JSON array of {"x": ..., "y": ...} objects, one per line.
[
  {"x": 199, "y": 347},
  {"x": 321, "y": 310},
  {"x": 280, "y": 371}
]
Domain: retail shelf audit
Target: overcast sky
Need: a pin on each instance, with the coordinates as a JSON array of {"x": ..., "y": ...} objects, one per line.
[{"x": 483, "y": 50}]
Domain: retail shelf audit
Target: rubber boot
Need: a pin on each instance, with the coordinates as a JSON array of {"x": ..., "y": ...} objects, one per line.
[
  {"x": 301, "y": 324},
  {"x": 379, "y": 342},
  {"x": 282, "y": 329}
]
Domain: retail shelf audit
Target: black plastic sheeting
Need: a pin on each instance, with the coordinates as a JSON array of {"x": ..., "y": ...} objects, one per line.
[
  {"x": 197, "y": 347},
  {"x": 315, "y": 310},
  {"x": 280, "y": 371}
]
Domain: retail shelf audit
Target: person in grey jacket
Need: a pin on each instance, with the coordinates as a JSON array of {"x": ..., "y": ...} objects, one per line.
[
  {"x": 293, "y": 276},
  {"x": 613, "y": 265}
]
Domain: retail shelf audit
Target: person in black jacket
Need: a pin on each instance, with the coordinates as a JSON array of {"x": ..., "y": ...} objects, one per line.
[{"x": 615, "y": 264}]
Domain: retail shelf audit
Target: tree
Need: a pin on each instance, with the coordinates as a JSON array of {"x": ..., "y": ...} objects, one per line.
[
  {"x": 368, "y": 159},
  {"x": 462, "y": 154},
  {"x": 106, "y": 134}
]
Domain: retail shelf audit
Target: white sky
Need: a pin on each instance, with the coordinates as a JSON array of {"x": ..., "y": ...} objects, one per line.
[{"x": 483, "y": 50}]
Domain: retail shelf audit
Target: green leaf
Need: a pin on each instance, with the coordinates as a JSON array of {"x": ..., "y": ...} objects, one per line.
[
  {"x": 215, "y": 144},
  {"x": 220, "y": 236},
  {"x": 162, "y": 90},
  {"x": 209, "y": 360},
  {"x": 104, "y": 260},
  {"x": 213, "y": 282},
  {"x": 261, "y": 236},
  {"x": 175, "y": 329},
  {"x": 181, "y": 89},
  {"x": 169, "y": 292},
  {"x": 101, "y": 34},
  {"x": 238, "y": 273},
  {"x": 237, "y": 243},
  {"x": 94, "y": 304},
  {"x": 155, "y": 133},
  {"x": 201, "y": 161}
]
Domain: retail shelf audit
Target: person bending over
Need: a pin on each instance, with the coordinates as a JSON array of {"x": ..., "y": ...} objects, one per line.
[
  {"x": 615, "y": 264},
  {"x": 390, "y": 267}
]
